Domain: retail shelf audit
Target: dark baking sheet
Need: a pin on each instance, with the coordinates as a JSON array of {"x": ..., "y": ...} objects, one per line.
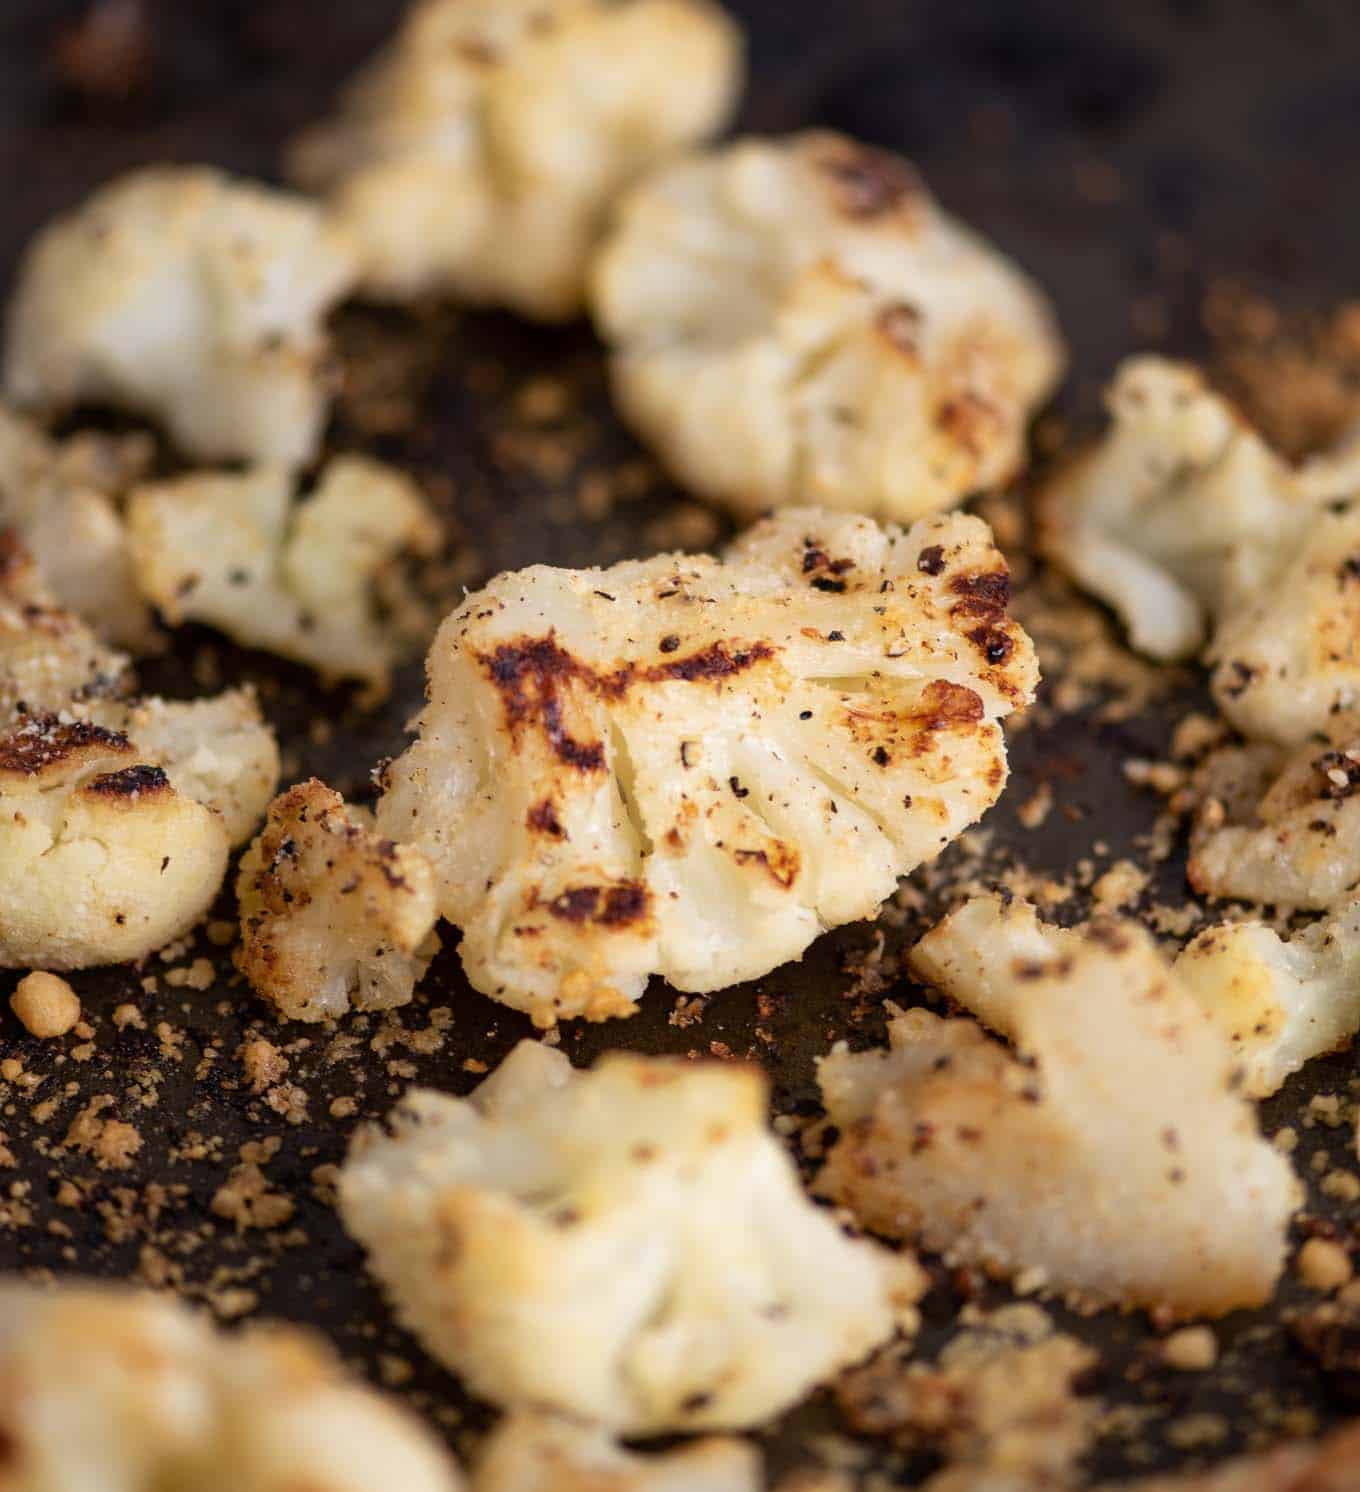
[{"x": 1127, "y": 158}]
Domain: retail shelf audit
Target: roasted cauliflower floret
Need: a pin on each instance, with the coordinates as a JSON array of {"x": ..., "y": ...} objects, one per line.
[
  {"x": 1113, "y": 1153},
  {"x": 332, "y": 914},
  {"x": 1280, "y": 1003},
  {"x": 49, "y": 659},
  {"x": 691, "y": 767},
  {"x": 1181, "y": 508},
  {"x": 63, "y": 501},
  {"x": 630, "y": 1245},
  {"x": 113, "y": 1391},
  {"x": 1286, "y": 656},
  {"x": 479, "y": 153},
  {"x": 319, "y": 580},
  {"x": 182, "y": 294},
  {"x": 542, "y": 1453},
  {"x": 1280, "y": 827},
  {"x": 101, "y": 860},
  {"x": 797, "y": 321}
]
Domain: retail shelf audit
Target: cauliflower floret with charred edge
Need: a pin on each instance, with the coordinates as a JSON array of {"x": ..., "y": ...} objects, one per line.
[
  {"x": 50, "y": 661},
  {"x": 1286, "y": 657},
  {"x": 107, "y": 1390},
  {"x": 185, "y": 295},
  {"x": 1113, "y": 1151},
  {"x": 1280, "y": 1003},
  {"x": 797, "y": 321},
  {"x": 630, "y": 1245},
  {"x": 480, "y": 152},
  {"x": 1280, "y": 827},
  {"x": 319, "y": 580},
  {"x": 333, "y": 916},
  {"x": 63, "y": 499},
  {"x": 692, "y": 767},
  {"x": 542, "y": 1453},
  {"x": 1181, "y": 507}
]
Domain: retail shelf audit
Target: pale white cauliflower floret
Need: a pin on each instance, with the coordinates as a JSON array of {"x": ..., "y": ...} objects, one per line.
[
  {"x": 1280, "y": 1003},
  {"x": 542, "y": 1453},
  {"x": 1286, "y": 655},
  {"x": 319, "y": 580},
  {"x": 63, "y": 500},
  {"x": 630, "y": 1245},
  {"x": 106, "y": 1390},
  {"x": 333, "y": 916},
  {"x": 180, "y": 293},
  {"x": 1279, "y": 826},
  {"x": 1113, "y": 1154},
  {"x": 1181, "y": 507},
  {"x": 480, "y": 151},
  {"x": 797, "y": 321},
  {"x": 692, "y": 767}
]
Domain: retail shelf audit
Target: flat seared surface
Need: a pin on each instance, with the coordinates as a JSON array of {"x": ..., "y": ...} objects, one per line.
[{"x": 1127, "y": 162}]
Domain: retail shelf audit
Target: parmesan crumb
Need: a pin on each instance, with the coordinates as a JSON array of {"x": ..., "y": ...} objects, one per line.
[
  {"x": 1193, "y": 1349},
  {"x": 1323, "y": 1265},
  {"x": 46, "y": 1005}
]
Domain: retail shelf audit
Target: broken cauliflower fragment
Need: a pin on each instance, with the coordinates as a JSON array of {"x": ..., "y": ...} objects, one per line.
[
  {"x": 333, "y": 916},
  {"x": 1280, "y": 827},
  {"x": 63, "y": 499},
  {"x": 691, "y": 767},
  {"x": 1113, "y": 1153},
  {"x": 630, "y": 1244},
  {"x": 319, "y": 581},
  {"x": 479, "y": 153},
  {"x": 180, "y": 293},
  {"x": 798, "y": 321},
  {"x": 1280, "y": 1003},
  {"x": 1181, "y": 507},
  {"x": 540, "y": 1453},
  {"x": 112, "y": 1391}
]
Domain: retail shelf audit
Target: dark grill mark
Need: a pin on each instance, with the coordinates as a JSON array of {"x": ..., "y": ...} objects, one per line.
[
  {"x": 995, "y": 646},
  {"x": 41, "y": 742},
  {"x": 985, "y": 594},
  {"x": 869, "y": 183},
  {"x": 930, "y": 561},
  {"x": 131, "y": 782},
  {"x": 543, "y": 819},
  {"x": 604, "y": 906}
]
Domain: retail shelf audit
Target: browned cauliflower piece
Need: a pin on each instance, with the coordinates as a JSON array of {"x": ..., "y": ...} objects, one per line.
[
  {"x": 107, "y": 1390},
  {"x": 63, "y": 498},
  {"x": 691, "y": 767},
  {"x": 318, "y": 580},
  {"x": 1111, "y": 1156},
  {"x": 479, "y": 153},
  {"x": 797, "y": 321},
  {"x": 1279, "y": 826},
  {"x": 180, "y": 293},
  {"x": 333, "y": 915}
]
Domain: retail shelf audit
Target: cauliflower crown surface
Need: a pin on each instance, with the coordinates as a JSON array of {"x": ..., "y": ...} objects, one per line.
[
  {"x": 691, "y": 767},
  {"x": 630, "y": 1245}
]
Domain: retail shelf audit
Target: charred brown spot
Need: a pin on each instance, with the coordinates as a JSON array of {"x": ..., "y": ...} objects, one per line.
[
  {"x": 140, "y": 781},
  {"x": 994, "y": 645},
  {"x": 869, "y": 183},
  {"x": 985, "y": 593},
  {"x": 781, "y": 862},
  {"x": 969, "y": 420},
  {"x": 42, "y": 742},
  {"x": 930, "y": 561},
  {"x": 604, "y": 906},
  {"x": 901, "y": 325},
  {"x": 714, "y": 662},
  {"x": 15, "y": 560},
  {"x": 946, "y": 706},
  {"x": 543, "y": 819},
  {"x": 825, "y": 573}
]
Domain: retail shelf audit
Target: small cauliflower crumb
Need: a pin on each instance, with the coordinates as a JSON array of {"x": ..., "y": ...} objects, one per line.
[
  {"x": 180, "y": 293},
  {"x": 478, "y": 154},
  {"x": 630, "y": 1245},
  {"x": 796, "y": 320},
  {"x": 1192, "y": 1349},
  {"x": 692, "y": 767},
  {"x": 45, "y": 1004},
  {"x": 1324, "y": 1265}
]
